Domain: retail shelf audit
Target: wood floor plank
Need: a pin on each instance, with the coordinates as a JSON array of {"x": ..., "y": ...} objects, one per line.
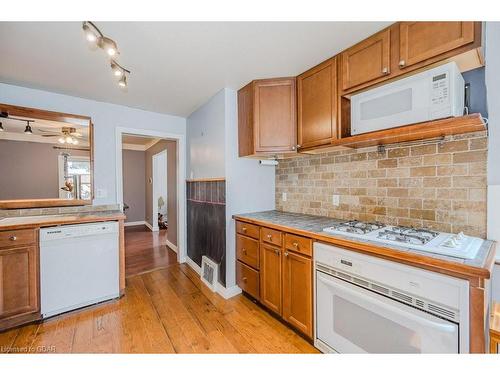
[{"x": 168, "y": 310}]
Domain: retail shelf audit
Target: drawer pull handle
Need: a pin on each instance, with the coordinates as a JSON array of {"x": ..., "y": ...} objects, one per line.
[
  {"x": 244, "y": 229},
  {"x": 269, "y": 236},
  {"x": 12, "y": 238},
  {"x": 244, "y": 250},
  {"x": 245, "y": 279},
  {"x": 295, "y": 244},
  {"x": 286, "y": 254},
  {"x": 277, "y": 252}
]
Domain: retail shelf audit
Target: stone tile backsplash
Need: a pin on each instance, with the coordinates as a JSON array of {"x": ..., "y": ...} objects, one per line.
[
  {"x": 59, "y": 210},
  {"x": 440, "y": 186}
]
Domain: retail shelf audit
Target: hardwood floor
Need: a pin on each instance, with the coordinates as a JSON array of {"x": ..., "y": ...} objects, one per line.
[
  {"x": 165, "y": 311},
  {"x": 146, "y": 250}
]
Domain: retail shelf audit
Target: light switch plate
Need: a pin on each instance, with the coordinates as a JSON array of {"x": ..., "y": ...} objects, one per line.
[{"x": 336, "y": 200}]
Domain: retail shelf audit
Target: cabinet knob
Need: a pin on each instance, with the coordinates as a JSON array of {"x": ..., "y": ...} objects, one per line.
[
  {"x": 298, "y": 146},
  {"x": 12, "y": 238},
  {"x": 245, "y": 279},
  {"x": 402, "y": 64},
  {"x": 277, "y": 252},
  {"x": 293, "y": 148},
  {"x": 286, "y": 254},
  {"x": 269, "y": 236},
  {"x": 244, "y": 250},
  {"x": 385, "y": 70},
  {"x": 295, "y": 244},
  {"x": 244, "y": 229}
]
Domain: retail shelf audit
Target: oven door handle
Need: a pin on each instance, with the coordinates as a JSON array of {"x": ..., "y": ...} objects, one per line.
[{"x": 451, "y": 327}]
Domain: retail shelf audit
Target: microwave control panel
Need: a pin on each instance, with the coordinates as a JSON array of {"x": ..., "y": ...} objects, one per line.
[{"x": 440, "y": 89}]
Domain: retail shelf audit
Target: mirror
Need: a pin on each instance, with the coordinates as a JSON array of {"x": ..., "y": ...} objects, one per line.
[{"x": 46, "y": 158}]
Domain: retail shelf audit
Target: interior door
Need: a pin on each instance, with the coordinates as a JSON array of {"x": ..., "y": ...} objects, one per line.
[
  {"x": 351, "y": 319},
  {"x": 270, "y": 277},
  {"x": 419, "y": 41}
]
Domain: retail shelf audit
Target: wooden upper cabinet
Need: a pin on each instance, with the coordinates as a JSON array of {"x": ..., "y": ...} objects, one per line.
[
  {"x": 270, "y": 277},
  {"x": 317, "y": 105},
  {"x": 18, "y": 281},
  {"x": 421, "y": 41},
  {"x": 297, "y": 292},
  {"x": 267, "y": 117},
  {"x": 367, "y": 61}
]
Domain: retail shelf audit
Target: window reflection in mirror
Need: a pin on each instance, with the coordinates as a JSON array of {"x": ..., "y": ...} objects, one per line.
[{"x": 42, "y": 159}]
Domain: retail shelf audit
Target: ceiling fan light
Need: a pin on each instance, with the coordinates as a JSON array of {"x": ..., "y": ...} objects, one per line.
[
  {"x": 75, "y": 141},
  {"x": 69, "y": 140},
  {"x": 61, "y": 140}
]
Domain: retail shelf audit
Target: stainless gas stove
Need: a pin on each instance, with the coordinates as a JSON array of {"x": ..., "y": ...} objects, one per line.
[{"x": 453, "y": 245}]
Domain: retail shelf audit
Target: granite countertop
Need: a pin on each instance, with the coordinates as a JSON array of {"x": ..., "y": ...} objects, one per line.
[
  {"x": 315, "y": 224},
  {"x": 21, "y": 222}
]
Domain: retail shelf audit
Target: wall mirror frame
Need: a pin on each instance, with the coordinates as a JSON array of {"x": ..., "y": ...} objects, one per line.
[{"x": 70, "y": 119}]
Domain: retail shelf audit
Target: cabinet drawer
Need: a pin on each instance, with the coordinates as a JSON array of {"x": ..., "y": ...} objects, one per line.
[
  {"x": 299, "y": 244},
  {"x": 247, "y": 250},
  {"x": 247, "y": 279},
  {"x": 11, "y": 238},
  {"x": 271, "y": 236},
  {"x": 246, "y": 229}
]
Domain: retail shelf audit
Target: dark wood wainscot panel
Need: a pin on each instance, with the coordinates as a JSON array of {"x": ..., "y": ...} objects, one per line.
[{"x": 206, "y": 222}]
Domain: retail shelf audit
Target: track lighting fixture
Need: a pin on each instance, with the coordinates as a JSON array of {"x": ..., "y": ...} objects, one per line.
[
  {"x": 28, "y": 129},
  {"x": 94, "y": 35}
]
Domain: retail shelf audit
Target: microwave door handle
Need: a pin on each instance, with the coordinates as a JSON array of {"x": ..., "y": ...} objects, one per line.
[{"x": 440, "y": 326}]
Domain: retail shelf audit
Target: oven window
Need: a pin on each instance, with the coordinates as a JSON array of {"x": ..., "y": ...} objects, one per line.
[{"x": 372, "y": 332}]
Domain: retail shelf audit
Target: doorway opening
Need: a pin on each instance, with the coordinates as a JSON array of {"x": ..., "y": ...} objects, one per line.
[{"x": 148, "y": 190}]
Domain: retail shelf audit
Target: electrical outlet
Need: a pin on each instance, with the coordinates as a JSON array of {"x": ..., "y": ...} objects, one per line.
[
  {"x": 283, "y": 197},
  {"x": 336, "y": 200}
]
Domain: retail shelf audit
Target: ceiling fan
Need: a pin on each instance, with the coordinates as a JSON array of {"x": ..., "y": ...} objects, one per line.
[{"x": 66, "y": 135}]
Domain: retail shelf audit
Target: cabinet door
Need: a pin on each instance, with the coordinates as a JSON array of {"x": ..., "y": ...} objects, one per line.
[
  {"x": 270, "y": 277},
  {"x": 245, "y": 120},
  {"x": 367, "y": 61},
  {"x": 275, "y": 115},
  {"x": 317, "y": 105},
  {"x": 297, "y": 291},
  {"x": 419, "y": 41},
  {"x": 18, "y": 281}
]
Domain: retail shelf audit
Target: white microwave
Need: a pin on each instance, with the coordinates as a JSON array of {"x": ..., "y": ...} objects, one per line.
[{"x": 429, "y": 95}]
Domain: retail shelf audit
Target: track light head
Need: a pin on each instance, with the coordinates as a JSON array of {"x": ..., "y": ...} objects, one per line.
[
  {"x": 117, "y": 70},
  {"x": 90, "y": 34},
  {"x": 123, "y": 81},
  {"x": 108, "y": 45}
]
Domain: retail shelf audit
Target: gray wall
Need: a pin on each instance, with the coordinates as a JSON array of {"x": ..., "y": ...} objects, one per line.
[
  {"x": 134, "y": 187},
  {"x": 171, "y": 147},
  {"x": 29, "y": 170},
  {"x": 205, "y": 139}
]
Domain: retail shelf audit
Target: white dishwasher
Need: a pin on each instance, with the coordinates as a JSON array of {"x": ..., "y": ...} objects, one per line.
[{"x": 79, "y": 266}]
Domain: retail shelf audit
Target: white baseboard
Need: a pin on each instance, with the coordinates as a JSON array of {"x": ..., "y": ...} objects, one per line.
[
  {"x": 134, "y": 223},
  {"x": 227, "y": 292},
  {"x": 220, "y": 289},
  {"x": 171, "y": 245},
  {"x": 191, "y": 263},
  {"x": 149, "y": 226}
]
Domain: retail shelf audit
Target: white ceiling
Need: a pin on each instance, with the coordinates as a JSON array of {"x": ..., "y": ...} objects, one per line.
[{"x": 176, "y": 66}]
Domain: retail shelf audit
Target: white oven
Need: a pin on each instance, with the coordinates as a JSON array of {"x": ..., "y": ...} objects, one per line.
[
  {"x": 369, "y": 305},
  {"x": 429, "y": 95}
]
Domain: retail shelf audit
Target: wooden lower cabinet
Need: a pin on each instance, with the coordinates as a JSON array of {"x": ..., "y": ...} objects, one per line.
[
  {"x": 18, "y": 283},
  {"x": 297, "y": 291},
  {"x": 270, "y": 277},
  {"x": 248, "y": 279}
]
